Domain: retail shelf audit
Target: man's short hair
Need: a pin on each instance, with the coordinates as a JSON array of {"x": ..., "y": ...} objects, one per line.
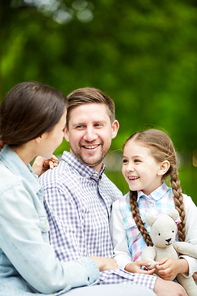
[{"x": 88, "y": 95}]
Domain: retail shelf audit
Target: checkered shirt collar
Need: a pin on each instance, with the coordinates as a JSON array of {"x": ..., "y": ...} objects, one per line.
[
  {"x": 156, "y": 194},
  {"x": 82, "y": 169}
]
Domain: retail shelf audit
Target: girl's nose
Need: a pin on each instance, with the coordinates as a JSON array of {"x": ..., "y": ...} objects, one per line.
[{"x": 130, "y": 168}]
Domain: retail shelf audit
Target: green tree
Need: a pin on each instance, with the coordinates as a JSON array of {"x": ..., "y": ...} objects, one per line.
[{"x": 141, "y": 53}]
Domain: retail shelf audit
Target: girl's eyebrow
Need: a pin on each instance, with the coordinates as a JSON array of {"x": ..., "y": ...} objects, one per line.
[
  {"x": 134, "y": 156},
  {"x": 138, "y": 156}
]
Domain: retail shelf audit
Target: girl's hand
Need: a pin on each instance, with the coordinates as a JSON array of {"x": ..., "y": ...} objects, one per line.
[
  {"x": 168, "y": 268},
  {"x": 104, "y": 263},
  {"x": 195, "y": 276},
  {"x": 42, "y": 164},
  {"x": 137, "y": 265}
]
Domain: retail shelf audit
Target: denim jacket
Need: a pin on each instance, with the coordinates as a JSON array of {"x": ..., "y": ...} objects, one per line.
[{"x": 27, "y": 261}]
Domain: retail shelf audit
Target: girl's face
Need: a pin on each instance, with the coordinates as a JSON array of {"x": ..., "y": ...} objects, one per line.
[
  {"x": 51, "y": 140},
  {"x": 139, "y": 168}
]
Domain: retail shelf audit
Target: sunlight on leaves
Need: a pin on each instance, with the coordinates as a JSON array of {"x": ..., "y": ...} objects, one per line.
[{"x": 62, "y": 14}]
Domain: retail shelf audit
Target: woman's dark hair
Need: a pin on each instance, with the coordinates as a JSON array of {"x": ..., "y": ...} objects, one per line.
[{"x": 29, "y": 110}]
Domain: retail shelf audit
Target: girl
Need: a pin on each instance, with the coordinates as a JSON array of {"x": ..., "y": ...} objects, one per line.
[
  {"x": 32, "y": 122},
  {"x": 148, "y": 158}
]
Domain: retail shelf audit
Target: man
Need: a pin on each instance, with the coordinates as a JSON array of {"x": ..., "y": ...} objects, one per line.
[{"x": 78, "y": 195}]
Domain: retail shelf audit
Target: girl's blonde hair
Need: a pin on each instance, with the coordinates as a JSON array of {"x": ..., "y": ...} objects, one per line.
[{"x": 161, "y": 148}]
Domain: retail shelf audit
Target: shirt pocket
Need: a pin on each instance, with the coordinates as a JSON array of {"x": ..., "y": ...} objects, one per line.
[
  {"x": 43, "y": 223},
  {"x": 132, "y": 232},
  {"x": 129, "y": 222}
]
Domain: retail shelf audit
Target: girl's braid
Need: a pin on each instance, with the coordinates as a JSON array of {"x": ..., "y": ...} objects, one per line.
[
  {"x": 179, "y": 205},
  {"x": 138, "y": 220}
]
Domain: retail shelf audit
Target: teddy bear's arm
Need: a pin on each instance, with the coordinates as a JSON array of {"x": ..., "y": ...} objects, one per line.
[
  {"x": 149, "y": 254},
  {"x": 185, "y": 248}
]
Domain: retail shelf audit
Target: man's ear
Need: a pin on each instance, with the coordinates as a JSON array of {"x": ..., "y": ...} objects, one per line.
[
  {"x": 115, "y": 128},
  {"x": 66, "y": 134},
  {"x": 164, "y": 167}
]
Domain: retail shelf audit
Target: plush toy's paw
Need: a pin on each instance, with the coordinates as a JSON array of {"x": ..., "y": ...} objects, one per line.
[
  {"x": 186, "y": 249},
  {"x": 179, "y": 247},
  {"x": 153, "y": 263}
]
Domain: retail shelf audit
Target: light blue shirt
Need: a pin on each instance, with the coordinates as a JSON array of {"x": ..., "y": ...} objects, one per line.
[{"x": 27, "y": 261}]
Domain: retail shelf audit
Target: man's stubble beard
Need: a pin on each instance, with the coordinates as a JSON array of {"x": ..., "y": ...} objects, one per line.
[{"x": 90, "y": 164}]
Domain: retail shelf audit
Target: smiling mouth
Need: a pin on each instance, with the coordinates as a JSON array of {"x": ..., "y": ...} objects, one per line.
[
  {"x": 90, "y": 147},
  {"x": 133, "y": 178}
]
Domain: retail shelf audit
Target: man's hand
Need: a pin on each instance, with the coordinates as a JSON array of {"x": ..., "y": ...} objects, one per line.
[
  {"x": 168, "y": 288},
  {"x": 137, "y": 265}
]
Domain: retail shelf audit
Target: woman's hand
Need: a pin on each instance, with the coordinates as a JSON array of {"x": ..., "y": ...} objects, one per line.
[
  {"x": 168, "y": 268},
  {"x": 104, "y": 263},
  {"x": 137, "y": 265},
  {"x": 42, "y": 164}
]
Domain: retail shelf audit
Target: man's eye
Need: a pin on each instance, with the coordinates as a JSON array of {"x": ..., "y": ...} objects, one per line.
[{"x": 124, "y": 160}]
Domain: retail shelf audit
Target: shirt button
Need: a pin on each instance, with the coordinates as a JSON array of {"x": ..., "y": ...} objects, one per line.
[{"x": 87, "y": 176}]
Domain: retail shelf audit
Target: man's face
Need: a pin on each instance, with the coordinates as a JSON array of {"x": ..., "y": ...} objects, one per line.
[{"x": 90, "y": 133}]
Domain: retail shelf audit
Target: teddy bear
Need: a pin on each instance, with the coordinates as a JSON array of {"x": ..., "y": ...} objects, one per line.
[{"x": 163, "y": 232}]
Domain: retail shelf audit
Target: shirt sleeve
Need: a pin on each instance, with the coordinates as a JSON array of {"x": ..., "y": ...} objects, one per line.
[
  {"x": 21, "y": 239},
  {"x": 66, "y": 223},
  {"x": 118, "y": 234},
  {"x": 191, "y": 231}
]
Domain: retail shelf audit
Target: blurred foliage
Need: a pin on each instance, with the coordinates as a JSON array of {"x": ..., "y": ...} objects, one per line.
[{"x": 142, "y": 53}]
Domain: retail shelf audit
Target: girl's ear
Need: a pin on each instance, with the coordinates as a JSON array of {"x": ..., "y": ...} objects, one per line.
[{"x": 164, "y": 167}]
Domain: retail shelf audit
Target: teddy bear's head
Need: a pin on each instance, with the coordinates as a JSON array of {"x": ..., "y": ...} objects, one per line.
[{"x": 163, "y": 228}]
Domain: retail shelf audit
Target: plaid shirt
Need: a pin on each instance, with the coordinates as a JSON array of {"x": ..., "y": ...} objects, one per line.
[
  {"x": 158, "y": 202},
  {"x": 78, "y": 202}
]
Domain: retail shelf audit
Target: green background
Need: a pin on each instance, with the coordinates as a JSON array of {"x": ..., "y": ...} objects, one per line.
[{"x": 142, "y": 53}]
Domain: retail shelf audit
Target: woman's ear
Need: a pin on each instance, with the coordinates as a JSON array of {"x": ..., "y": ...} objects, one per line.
[
  {"x": 164, "y": 167},
  {"x": 38, "y": 139}
]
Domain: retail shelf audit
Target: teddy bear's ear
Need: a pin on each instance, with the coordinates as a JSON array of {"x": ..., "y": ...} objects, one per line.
[
  {"x": 173, "y": 213},
  {"x": 150, "y": 219}
]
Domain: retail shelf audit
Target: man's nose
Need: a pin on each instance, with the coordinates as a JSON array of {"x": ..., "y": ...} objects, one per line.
[{"x": 90, "y": 134}]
